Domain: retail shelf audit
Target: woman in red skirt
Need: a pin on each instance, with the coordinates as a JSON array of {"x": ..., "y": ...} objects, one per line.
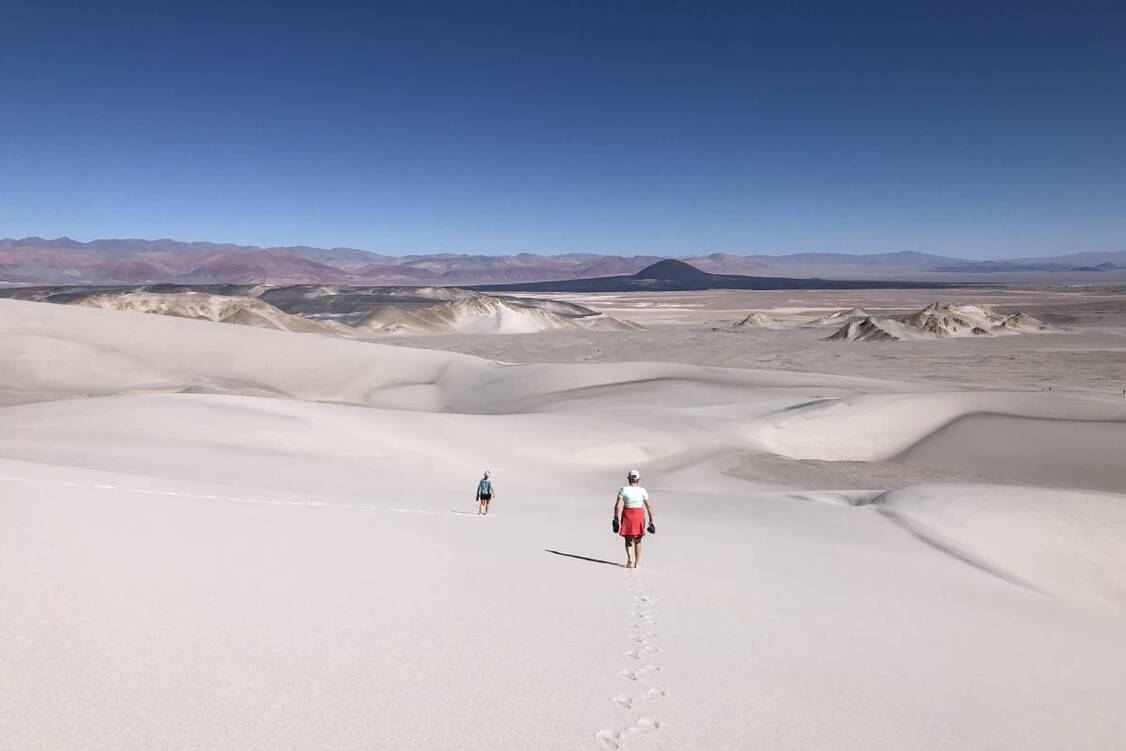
[{"x": 630, "y": 506}]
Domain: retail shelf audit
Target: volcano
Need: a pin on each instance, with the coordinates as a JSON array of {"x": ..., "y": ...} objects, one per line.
[
  {"x": 671, "y": 275},
  {"x": 672, "y": 270}
]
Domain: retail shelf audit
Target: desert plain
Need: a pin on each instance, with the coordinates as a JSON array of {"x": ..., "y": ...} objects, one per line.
[{"x": 216, "y": 536}]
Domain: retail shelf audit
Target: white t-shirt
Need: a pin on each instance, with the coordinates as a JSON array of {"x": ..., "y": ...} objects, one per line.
[{"x": 634, "y": 496}]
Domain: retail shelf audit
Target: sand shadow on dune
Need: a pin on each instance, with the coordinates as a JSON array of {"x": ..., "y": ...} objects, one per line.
[
  {"x": 950, "y": 548},
  {"x": 583, "y": 558}
]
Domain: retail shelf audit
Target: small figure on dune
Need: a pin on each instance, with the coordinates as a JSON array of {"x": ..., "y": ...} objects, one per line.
[
  {"x": 485, "y": 494},
  {"x": 629, "y": 516}
]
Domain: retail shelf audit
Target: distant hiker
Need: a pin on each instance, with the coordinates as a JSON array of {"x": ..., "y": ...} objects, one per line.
[
  {"x": 629, "y": 516},
  {"x": 485, "y": 494}
]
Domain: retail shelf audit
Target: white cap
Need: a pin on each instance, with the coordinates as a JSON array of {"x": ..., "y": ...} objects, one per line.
[{"x": 633, "y": 474}]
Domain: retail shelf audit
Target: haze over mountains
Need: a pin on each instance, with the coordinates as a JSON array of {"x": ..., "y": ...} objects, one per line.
[{"x": 36, "y": 260}]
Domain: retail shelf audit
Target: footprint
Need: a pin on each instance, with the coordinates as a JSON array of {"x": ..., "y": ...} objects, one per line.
[
  {"x": 653, "y": 694},
  {"x": 636, "y": 673},
  {"x": 647, "y": 725},
  {"x": 633, "y": 654},
  {"x": 623, "y": 701},
  {"x": 611, "y": 739}
]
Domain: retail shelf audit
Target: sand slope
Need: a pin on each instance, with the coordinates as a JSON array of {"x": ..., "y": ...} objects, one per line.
[
  {"x": 938, "y": 321},
  {"x": 187, "y": 564},
  {"x": 480, "y": 314},
  {"x": 247, "y": 311},
  {"x": 1062, "y": 544}
]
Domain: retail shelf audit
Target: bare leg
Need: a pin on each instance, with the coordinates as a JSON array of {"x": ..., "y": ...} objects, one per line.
[
  {"x": 486, "y": 505},
  {"x": 629, "y": 553},
  {"x": 636, "y": 552}
]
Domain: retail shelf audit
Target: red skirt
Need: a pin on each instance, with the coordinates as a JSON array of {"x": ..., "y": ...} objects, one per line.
[{"x": 633, "y": 522}]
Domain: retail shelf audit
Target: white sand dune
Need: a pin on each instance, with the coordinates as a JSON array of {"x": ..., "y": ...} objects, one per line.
[
  {"x": 837, "y": 316},
  {"x": 1065, "y": 545},
  {"x": 939, "y": 321},
  {"x": 482, "y": 314},
  {"x": 1054, "y": 438},
  {"x": 247, "y": 311},
  {"x": 1036, "y": 450},
  {"x": 186, "y": 564},
  {"x": 758, "y": 319}
]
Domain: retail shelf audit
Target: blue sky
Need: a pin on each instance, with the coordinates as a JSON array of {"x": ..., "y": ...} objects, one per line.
[{"x": 978, "y": 130}]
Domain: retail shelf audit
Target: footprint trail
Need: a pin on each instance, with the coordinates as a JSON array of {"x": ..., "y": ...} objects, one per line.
[{"x": 641, "y": 671}]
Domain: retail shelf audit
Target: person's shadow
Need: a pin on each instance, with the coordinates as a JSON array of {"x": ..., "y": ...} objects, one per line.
[{"x": 583, "y": 558}]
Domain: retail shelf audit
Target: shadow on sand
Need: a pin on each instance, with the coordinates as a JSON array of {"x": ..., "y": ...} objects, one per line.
[{"x": 583, "y": 558}]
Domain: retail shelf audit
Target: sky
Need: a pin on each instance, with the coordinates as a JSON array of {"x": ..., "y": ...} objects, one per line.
[{"x": 978, "y": 130}]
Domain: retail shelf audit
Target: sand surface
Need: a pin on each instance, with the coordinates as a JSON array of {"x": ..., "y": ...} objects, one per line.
[
  {"x": 1086, "y": 353},
  {"x": 217, "y": 537}
]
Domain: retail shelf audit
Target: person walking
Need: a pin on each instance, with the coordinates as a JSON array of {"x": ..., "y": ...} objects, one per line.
[
  {"x": 629, "y": 516},
  {"x": 485, "y": 494}
]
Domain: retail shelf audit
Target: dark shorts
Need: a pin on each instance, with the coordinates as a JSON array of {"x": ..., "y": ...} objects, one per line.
[{"x": 486, "y": 497}]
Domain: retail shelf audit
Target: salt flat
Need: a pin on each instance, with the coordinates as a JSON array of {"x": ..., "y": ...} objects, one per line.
[{"x": 218, "y": 537}]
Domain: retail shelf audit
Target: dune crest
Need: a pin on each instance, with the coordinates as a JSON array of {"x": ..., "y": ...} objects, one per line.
[
  {"x": 482, "y": 314},
  {"x": 1067, "y": 545},
  {"x": 247, "y": 311},
  {"x": 939, "y": 321},
  {"x": 840, "y": 315},
  {"x": 760, "y": 320}
]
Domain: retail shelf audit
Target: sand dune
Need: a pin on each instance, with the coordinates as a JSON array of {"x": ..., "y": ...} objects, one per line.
[
  {"x": 835, "y": 318},
  {"x": 311, "y": 578},
  {"x": 247, "y": 311},
  {"x": 1062, "y": 439},
  {"x": 482, "y": 314},
  {"x": 1065, "y": 545},
  {"x": 758, "y": 318},
  {"x": 1042, "y": 451},
  {"x": 938, "y": 321}
]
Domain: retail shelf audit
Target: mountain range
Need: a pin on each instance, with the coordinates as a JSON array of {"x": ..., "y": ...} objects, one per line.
[
  {"x": 35, "y": 260},
  {"x": 672, "y": 275}
]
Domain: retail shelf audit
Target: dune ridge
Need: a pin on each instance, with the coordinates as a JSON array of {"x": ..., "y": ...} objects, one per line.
[{"x": 939, "y": 321}]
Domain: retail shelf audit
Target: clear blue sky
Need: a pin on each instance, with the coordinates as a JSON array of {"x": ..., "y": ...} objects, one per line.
[{"x": 979, "y": 130}]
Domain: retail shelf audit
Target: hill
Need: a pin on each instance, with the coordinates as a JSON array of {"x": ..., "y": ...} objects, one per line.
[
  {"x": 246, "y": 311},
  {"x": 482, "y": 314},
  {"x": 37, "y": 260},
  {"x": 671, "y": 275},
  {"x": 938, "y": 321}
]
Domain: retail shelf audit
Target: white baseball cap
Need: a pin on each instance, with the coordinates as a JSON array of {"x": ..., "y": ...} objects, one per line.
[{"x": 633, "y": 474}]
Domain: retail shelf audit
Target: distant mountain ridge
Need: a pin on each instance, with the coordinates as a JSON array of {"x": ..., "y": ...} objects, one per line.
[
  {"x": 35, "y": 260},
  {"x": 672, "y": 275}
]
